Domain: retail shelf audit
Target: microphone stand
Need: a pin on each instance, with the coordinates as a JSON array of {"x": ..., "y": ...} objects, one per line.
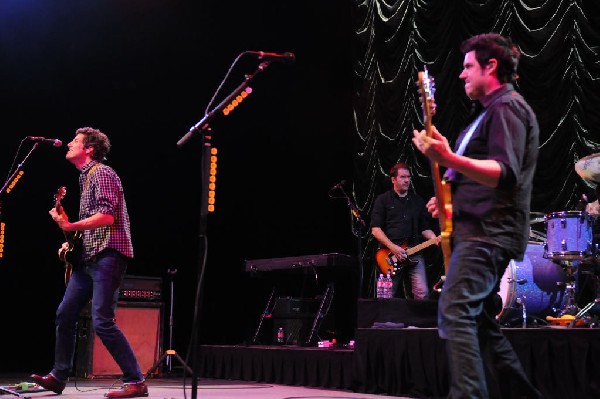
[
  {"x": 203, "y": 123},
  {"x": 13, "y": 178},
  {"x": 8, "y": 185},
  {"x": 203, "y": 126},
  {"x": 357, "y": 231}
]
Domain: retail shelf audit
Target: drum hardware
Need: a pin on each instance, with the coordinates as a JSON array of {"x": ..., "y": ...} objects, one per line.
[
  {"x": 521, "y": 302},
  {"x": 535, "y": 236},
  {"x": 519, "y": 281},
  {"x": 570, "y": 306},
  {"x": 537, "y": 215},
  {"x": 583, "y": 315},
  {"x": 580, "y": 316},
  {"x": 530, "y": 289}
]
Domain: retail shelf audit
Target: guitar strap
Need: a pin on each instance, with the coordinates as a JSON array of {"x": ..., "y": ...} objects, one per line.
[
  {"x": 87, "y": 177},
  {"x": 450, "y": 173}
]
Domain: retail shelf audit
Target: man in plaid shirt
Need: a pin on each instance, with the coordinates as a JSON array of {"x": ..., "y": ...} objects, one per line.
[{"x": 97, "y": 272}]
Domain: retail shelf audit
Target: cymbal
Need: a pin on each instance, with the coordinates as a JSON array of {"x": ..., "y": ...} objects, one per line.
[
  {"x": 536, "y": 217},
  {"x": 588, "y": 167}
]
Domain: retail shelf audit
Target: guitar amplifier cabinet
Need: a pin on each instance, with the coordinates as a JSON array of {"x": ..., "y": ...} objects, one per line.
[
  {"x": 140, "y": 289},
  {"x": 141, "y": 324}
]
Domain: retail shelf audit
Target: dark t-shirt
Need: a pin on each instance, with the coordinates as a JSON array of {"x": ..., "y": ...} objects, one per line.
[
  {"x": 402, "y": 219},
  {"x": 509, "y": 134}
]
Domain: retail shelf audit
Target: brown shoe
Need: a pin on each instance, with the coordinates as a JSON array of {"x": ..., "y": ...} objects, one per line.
[
  {"x": 49, "y": 382},
  {"x": 129, "y": 390}
]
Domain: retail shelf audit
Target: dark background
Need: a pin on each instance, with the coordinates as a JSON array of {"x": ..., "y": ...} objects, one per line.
[{"x": 145, "y": 72}]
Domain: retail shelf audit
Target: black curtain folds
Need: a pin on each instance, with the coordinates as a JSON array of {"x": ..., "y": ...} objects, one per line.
[{"x": 559, "y": 75}]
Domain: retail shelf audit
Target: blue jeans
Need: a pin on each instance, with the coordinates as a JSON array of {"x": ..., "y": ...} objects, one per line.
[
  {"x": 467, "y": 311},
  {"x": 98, "y": 280},
  {"x": 413, "y": 279}
]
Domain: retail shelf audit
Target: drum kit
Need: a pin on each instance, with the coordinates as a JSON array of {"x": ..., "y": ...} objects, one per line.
[{"x": 540, "y": 289}]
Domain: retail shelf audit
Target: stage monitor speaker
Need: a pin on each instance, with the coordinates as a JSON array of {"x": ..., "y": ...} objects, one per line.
[
  {"x": 296, "y": 317},
  {"x": 141, "y": 324}
]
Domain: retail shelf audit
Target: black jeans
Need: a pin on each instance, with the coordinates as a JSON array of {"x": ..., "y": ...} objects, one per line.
[{"x": 467, "y": 312}]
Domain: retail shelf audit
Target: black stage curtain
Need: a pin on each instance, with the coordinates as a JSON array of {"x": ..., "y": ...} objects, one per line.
[
  {"x": 559, "y": 76},
  {"x": 288, "y": 365},
  {"x": 562, "y": 363}
]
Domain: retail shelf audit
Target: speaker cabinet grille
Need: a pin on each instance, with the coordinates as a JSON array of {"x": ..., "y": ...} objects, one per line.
[{"x": 141, "y": 324}]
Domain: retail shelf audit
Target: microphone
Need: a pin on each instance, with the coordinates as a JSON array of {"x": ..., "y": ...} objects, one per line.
[
  {"x": 288, "y": 58},
  {"x": 54, "y": 142},
  {"x": 339, "y": 185}
]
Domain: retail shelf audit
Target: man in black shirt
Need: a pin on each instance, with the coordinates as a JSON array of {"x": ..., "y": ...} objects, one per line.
[
  {"x": 399, "y": 220},
  {"x": 491, "y": 174}
]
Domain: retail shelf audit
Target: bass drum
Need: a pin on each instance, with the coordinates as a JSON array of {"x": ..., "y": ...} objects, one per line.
[{"x": 536, "y": 282}]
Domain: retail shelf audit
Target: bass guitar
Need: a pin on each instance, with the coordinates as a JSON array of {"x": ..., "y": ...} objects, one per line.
[
  {"x": 70, "y": 253},
  {"x": 388, "y": 262},
  {"x": 441, "y": 187}
]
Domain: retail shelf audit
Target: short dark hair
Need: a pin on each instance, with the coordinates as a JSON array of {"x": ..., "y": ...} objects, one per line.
[
  {"x": 399, "y": 165},
  {"x": 95, "y": 138},
  {"x": 494, "y": 45}
]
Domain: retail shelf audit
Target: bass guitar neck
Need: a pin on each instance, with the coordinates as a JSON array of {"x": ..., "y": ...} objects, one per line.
[{"x": 441, "y": 187}]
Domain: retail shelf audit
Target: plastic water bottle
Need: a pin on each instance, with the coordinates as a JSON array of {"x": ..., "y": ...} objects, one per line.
[
  {"x": 280, "y": 336},
  {"x": 388, "y": 286},
  {"x": 380, "y": 286}
]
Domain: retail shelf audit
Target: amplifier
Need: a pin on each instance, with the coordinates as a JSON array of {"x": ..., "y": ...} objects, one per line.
[
  {"x": 140, "y": 322},
  {"x": 140, "y": 289}
]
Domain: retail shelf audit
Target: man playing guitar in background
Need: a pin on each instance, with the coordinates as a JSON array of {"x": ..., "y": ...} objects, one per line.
[{"x": 400, "y": 220}]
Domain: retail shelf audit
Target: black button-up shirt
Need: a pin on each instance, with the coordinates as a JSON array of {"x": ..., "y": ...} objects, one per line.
[{"x": 509, "y": 134}]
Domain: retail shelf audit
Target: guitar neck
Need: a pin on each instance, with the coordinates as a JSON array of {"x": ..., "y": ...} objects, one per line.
[
  {"x": 421, "y": 246},
  {"x": 441, "y": 188}
]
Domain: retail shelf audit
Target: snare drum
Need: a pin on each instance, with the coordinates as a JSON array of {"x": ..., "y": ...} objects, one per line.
[
  {"x": 536, "y": 282},
  {"x": 569, "y": 236}
]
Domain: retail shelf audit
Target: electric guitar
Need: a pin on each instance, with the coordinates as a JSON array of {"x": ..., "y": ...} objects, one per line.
[
  {"x": 388, "y": 262},
  {"x": 441, "y": 187},
  {"x": 72, "y": 252}
]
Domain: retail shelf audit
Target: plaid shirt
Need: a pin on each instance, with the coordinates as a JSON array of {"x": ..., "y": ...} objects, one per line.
[{"x": 102, "y": 192}]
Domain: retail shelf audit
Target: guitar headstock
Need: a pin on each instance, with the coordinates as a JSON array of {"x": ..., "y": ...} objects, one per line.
[
  {"x": 60, "y": 194},
  {"x": 426, "y": 86}
]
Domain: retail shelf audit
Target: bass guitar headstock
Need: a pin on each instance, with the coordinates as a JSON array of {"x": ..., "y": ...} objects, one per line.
[{"x": 426, "y": 84}]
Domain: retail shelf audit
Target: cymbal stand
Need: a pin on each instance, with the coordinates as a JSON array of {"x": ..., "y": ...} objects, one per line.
[
  {"x": 170, "y": 352},
  {"x": 589, "y": 306}
]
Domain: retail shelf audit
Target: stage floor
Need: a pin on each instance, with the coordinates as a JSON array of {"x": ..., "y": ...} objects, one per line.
[
  {"x": 401, "y": 363},
  {"x": 170, "y": 388}
]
